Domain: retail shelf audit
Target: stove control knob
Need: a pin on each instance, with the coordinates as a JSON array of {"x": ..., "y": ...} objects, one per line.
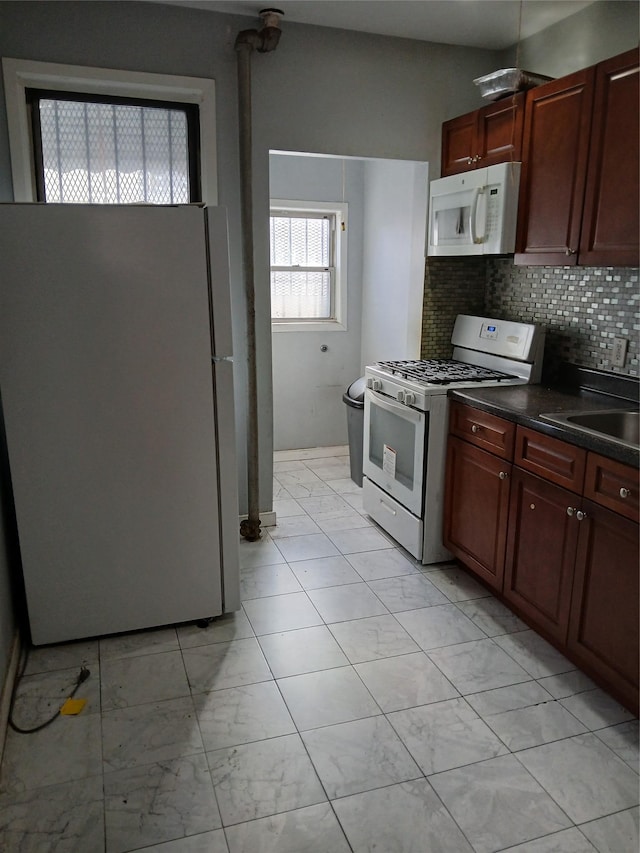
[
  {"x": 400, "y": 397},
  {"x": 376, "y": 384},
  {"x": 409, "y": 398}
]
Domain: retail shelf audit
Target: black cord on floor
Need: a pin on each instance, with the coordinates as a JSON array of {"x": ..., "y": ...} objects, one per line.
[{"x": 82, "y": 677}]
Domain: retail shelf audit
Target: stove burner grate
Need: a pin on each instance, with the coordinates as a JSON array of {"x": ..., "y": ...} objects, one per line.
[{"x": 442, "y": 371}]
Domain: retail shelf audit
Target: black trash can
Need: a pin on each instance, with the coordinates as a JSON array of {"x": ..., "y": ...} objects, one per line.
[{"x": 354, "y": 399}]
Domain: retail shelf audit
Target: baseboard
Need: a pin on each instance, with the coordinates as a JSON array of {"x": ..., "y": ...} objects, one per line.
[
  {"x": 7, "y": 688},
  {"x": 267, "y": 519}
]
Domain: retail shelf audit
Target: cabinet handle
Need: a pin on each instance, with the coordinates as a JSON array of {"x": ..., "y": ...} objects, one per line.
[
  {"x": 580, "y": 515},
  {"x": 475, "y": 428},
  {"x": 469, "y": 160},
  {"x": 624, "y": 493},
  {"x": 477, "y": 158},
  {"x": 503, "y": 475},
  {"x": 570, "y": 510},
  {"x": 568, "y": 252}
]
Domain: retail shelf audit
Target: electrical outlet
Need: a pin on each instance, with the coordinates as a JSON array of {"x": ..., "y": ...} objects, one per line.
[{"x": 619, "y": 352}]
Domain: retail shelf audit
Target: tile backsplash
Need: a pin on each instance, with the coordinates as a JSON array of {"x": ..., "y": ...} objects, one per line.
[{"x": 582, "y": 308}]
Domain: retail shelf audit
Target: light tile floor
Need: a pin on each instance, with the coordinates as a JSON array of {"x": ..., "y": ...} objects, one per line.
[{"x": 358, "y": 702}]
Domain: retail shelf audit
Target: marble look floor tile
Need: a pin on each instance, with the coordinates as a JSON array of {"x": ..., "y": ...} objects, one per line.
[
  {"x": 616, "y": 833},
  {"x": 596, "y": 709},
  {"x": 583, "y": 776},
  {"x": 61, "y": 817},
  {"x": 313, "y": 830},
  {"x": 325, "y": 571},
  {"x": 297, "y": 525},
  {"x": 281, "y": 613},
  {"x": 404, "y": 682},
  {"x": 355, "y": 501},
  {"x": 264, "y": 552},
  {"x": 492, "y": 616},
  {"x": 64, "y": 656},
  {"x": 359, "y": 756},
  {"x": 138, "y": 643},
  {"x": 146, "y": 734},
  {"x": 444, "y": 735},
  {"x": 259, "y": 779},
  {"x": 38, "y": 697},
  {"x": 222, "y": 665},
  {"x": 567, "y": 683},
  {"x": 565, "y": 841},
  {"x": 143, "y": 679},
  {"x": 349, "y": 601},
  {"x": 328, "y": 461},
  {"x": 623, "y": 739},
  {"x": 304, "y": 487},
  {"x": 534, "y": 654},
  {"x": 357, "y": 541},
  {"x": 204, "y": 842},
  {"x": 68, "y": 750},
  {"x": 287, "y": 508},
  {"x": 282, "y": 467},
  {"x": 324, "y": 698},
  {"x": 478, "y": 666},
  {"x": 440, "y": 625},
  {"x": 385, "y": 563},
  {"x": 223, "y": 629},
  {"x": 407, "y": 592},
  {"x": 263, "y": 581},
  {"x": 322, "y": 504},
  {"x": 336, "y": 473},
  {"x": 457, "y": 584},
  {"x": 372, "y": 638},
  {"x": 159, "y": 802},
  {"x": 279, "y": 491},
  {"x": 242, "y": 714},
  {"x": 340, "y": 520},
  {"x": 343, "y": 485},
  {"x": 535, "y": 725},
  {"x": 303, "y": 650},
  {"x": 295, "y": 548},
  {"x": 508, "y": 698},
  {"x": 497, "y": 803},
  {"x": 403, "y": 818}
]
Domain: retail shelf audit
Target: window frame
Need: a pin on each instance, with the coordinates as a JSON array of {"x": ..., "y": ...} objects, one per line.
[
  {"x": 339, "y": 211},
  {"x": 20, "y": 75}
]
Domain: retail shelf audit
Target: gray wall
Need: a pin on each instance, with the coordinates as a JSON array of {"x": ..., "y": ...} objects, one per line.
[
  {"x": 307, "y": 383},
  {"x": 323, "y": 90}
]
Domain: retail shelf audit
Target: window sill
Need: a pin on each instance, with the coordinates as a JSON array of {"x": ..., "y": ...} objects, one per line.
[{"x": 313, "y": 326}]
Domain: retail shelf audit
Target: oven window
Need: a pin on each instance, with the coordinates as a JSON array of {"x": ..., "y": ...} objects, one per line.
[{"x": 385, "y": 428}]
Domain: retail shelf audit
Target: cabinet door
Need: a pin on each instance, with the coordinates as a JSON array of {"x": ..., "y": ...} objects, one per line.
[
  {"x": 603, "y": 628},
  {"x": 458, "y": 144},
  {"x": 499, "y": 130},
  {"x": 555, "y": 149},
  {"x": 476, "y": 505},
  {"x": 611, "y": 223},
  {"x": 541, "y": 545}
]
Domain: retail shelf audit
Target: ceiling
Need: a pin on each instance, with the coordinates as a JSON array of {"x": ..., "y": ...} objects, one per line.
[{"x": 491, "y": 24}]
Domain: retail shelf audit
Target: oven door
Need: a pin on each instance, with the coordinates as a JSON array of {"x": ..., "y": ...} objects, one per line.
[{"x": 394, "y": 441}]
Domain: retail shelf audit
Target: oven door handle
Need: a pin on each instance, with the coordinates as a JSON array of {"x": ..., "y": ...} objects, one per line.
[{"x": 377, "y": 399}]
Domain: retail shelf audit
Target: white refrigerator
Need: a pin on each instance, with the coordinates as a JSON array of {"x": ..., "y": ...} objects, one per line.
[{"x": 116, "y": 384}]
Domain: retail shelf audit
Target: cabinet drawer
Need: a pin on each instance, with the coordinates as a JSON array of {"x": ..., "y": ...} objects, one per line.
[
  {"x": 612, "y": 484},
  {"x": 554, "y": 460},
  {"x": 482, "y": 429}
]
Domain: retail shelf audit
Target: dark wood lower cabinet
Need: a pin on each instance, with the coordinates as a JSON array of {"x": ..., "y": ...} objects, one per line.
[
  {"x": 541, "y": 550},
  {"x": 603, "y": 626},
  {"x": 476, "y": 507}
]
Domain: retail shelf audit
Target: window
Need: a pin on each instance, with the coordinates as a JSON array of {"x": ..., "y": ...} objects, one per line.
[
  {"x": 307, "y": 245},
  {"x": 160, "y": 99},
  {"x": 101, "y": 150}
]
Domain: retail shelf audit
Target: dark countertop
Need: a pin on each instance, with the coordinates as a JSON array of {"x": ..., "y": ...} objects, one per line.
[{"x": 523, "y": 404}]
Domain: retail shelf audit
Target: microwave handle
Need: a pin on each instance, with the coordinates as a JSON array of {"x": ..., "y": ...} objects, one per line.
[{"x": 474, "y": 215}]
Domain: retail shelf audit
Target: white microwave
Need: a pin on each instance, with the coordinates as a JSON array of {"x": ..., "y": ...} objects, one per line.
[{"x": 475, "y": 213}]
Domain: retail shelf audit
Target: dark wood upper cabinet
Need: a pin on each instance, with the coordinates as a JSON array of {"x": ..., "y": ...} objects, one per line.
[
  {"x": 556, "y": 147},
  {"x": 492, "y": 134},
  {"x": 611, "y": 225}
]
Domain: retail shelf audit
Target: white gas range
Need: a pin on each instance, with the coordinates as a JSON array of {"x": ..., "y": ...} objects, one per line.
[{"x": 406, "y": 422}]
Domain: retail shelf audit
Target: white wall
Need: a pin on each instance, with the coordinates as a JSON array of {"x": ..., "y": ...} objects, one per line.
[
  {"x": 307, "y": 383},
  {"x": 396, "y": 196}
]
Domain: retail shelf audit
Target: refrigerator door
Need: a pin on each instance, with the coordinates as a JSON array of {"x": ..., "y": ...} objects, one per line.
[{"x": 108, "y": 400}]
